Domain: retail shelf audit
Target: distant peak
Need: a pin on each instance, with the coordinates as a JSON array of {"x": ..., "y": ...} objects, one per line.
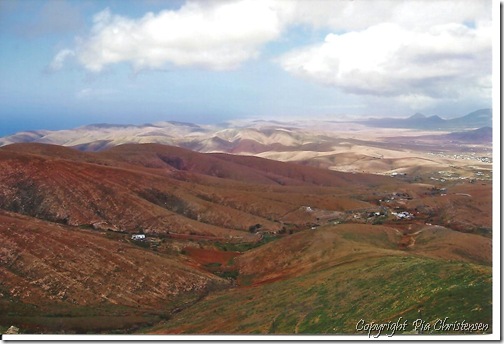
[
  {"x": 418, "y": 115},
  {"x": 480, "y": 113}
]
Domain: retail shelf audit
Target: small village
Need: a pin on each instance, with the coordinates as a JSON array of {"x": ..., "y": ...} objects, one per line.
[
  {"x": 390, "y": 209},
  {"x": 460, "y": 156}
]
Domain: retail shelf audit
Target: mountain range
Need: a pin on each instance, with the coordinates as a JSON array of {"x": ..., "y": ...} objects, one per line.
[
  {"x": 249, "y": 137},
  {"x": 473, "y": 120}
]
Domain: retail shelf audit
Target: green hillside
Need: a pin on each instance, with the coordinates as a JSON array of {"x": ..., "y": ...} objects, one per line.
[{"x": 333, "y": 300}]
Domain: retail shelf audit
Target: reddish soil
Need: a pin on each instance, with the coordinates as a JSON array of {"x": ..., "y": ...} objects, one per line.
[
  {"x": 47, "y": 192},
  {"x": 161, "y": 189},
  {"x": 207, "y": 256},
  {"x": 44, "y": 263},
  {"x": 317, "y": 249}
]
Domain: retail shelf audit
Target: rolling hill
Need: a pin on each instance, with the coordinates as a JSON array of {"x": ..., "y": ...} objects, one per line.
[
  {"x": 377, "y": 146},
  {"x": 234, "y": 244},
  {"x": 159, "y": 189},
  {"x": 60, "y": 278},
  {"x": 324, "y": 281},
  {"x": 251, "y": 137}
]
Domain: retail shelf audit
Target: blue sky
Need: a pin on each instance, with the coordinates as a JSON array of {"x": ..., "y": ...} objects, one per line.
[{"x": 70, "y": 63}]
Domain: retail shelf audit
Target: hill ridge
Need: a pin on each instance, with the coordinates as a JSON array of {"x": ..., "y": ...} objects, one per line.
[{"x": 227, "y": 137}]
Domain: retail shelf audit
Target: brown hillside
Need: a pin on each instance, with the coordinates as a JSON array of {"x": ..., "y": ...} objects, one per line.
[
  {"x": 232, "y": 243},
  {"x": 76, "y": 193},
  {"x": 441, "y": 242},
  {"x": 54, "y": 268},
  {"x": 306, "y": 174},
  {"x": 165, "y": 189},
  {"x": 318, "y": 249},
  {"x": 329, "y": 246}
]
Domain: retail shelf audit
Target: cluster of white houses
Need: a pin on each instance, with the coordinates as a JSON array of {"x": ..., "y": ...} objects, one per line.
[{"x": 402, "y": 215}]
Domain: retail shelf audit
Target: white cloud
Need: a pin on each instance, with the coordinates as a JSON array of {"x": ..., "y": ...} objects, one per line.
[
  {"x": 389, "y": 60},
  {"x": 361, "y": 14},
  {"x": 60, "y": 58},
  {"x": 216, "y": 35},
  {"x": 416, "y": 52}
]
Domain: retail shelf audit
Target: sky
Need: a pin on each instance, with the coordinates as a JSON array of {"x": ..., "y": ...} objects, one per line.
[{"x": 66, "y": 63}]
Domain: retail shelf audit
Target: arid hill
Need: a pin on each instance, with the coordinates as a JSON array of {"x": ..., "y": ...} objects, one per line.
[
  {"x": 395, "y": 146},
  {"x": 53, "y": 274},
  {"x": 234, "y": 244},
  {"x": 161, "y": 189},
  {"x": 326, "y": 246},
  {"x": 326, "y": 280}
]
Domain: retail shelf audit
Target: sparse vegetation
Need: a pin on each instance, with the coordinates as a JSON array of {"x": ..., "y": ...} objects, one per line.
[
  {"x": 331, "y": 302},
  {"x": 324, "y": 248},
  {"x": 254, "y": 228},
  {"x": 245, "y": 246},
  {"x": 233, "y": 274}
]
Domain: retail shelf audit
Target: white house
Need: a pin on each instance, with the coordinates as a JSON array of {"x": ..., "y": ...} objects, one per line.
[{"x": 138, "y": 236}]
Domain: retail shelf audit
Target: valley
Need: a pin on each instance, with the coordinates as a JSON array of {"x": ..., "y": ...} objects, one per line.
[
  {"x": 228, "y": 170},
  {"x": 295, "y": 232}
]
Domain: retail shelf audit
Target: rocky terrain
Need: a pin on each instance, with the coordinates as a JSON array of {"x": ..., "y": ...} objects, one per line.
[{"x": 232, "y": 243}]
